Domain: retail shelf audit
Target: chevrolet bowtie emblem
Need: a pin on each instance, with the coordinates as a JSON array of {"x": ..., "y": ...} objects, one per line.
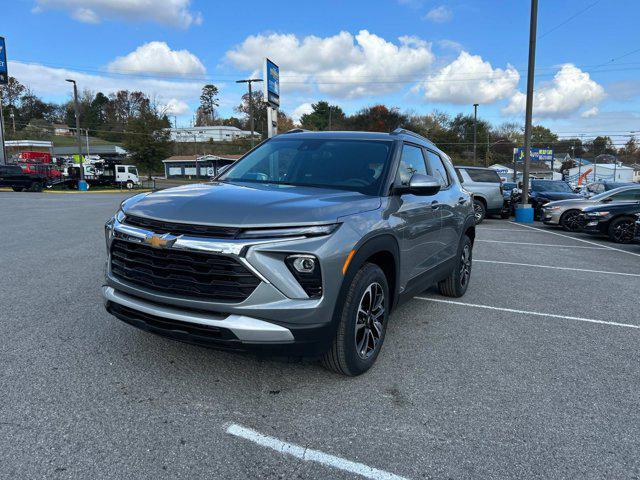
[{"x": 160, "y": 241}]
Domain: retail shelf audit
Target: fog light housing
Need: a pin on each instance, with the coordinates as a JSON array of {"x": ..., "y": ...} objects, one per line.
[{"x": 306, "y": 269}]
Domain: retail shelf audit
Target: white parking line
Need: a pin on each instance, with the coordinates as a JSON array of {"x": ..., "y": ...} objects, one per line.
[
  {"x": 309, "y": 455},
  {"x": 586, "y": 270},
  {"x": 539, "y": 244},
  {"x": 482, "y": 229},
  {"x": 525, "y": 312},
  {"x": 577, "y": 239}
]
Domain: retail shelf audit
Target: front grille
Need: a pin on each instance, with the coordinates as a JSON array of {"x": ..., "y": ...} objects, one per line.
[
  {"x": 182, "y": 273},
  {"x": 161, "y": 227}
]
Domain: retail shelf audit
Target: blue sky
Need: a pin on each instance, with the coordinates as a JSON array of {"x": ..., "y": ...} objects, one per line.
[{"x": 418, "y": 55}]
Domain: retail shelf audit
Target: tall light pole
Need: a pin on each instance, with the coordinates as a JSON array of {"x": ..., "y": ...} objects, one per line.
[
  {"x": 82, "y": 185},
  {"x": 475, "y": 132},
  {"x": 526, "y": 213},
  {"x": 249, "y": 82}
]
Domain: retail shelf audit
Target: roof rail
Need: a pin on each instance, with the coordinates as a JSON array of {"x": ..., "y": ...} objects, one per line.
[
  {"x": 404, "y": 131},
  {"x": 295, "y": 130}
]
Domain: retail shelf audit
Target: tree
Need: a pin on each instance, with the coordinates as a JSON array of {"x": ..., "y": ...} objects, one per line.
[
  {"x": 205, "y": 114},
  {"x": 285, "y": 123},
  {"x": 147, "y": 139},
  {"x": 601, "y": 145},
  {"x": 322, "y": 113},
  {"x": 378, "y": 118},
  {"x": 259, "y": 112},
  {"x": 542, "y": 137}
]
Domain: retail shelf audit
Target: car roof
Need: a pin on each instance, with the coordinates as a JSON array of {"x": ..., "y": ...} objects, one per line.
[{"x": 468, "y": 167}]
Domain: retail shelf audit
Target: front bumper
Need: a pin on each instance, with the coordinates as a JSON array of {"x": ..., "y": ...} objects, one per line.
[
  {"x": 551, "y": 217},
  {"x": 595, "y": 226}
]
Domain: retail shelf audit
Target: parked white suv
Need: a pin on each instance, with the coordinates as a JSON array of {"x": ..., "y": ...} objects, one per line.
[{"x": 486, "y": 186}]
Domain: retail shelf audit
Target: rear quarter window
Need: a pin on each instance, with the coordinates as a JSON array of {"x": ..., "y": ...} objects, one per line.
[{"x": 483, "y": 176}]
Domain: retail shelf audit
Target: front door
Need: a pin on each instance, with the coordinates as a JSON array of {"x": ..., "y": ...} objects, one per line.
[{"x": 420, "y": 218}]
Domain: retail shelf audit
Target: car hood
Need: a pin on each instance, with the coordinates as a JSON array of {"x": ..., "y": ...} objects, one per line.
[
  {"x": 250, "y": 205},
  {"x": 559, "y": 195},
  {"x": 573, "y": 202}
]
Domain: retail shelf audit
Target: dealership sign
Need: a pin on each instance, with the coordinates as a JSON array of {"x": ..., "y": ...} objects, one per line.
[
  {"x": 272, "y": 83},
  {"x": 4, "y": 73},
  {"x": 537, "y": 154}
]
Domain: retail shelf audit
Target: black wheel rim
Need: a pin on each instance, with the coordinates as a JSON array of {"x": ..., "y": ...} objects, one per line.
[
  {"x": 573, "y": 221},
  {"x": 465, "y": 266},
  {"x": 623, "y": 232},
  {"x": 477, "y": 211},
  {"x": 370, "y": 321}
]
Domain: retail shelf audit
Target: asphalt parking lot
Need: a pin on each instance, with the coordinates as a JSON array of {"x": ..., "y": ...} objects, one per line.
[{"x": 534, "y": 373}]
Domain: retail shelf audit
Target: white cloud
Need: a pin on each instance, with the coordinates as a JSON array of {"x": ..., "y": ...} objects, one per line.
[
  {"x": 342, "y": 65},
  {"x": 570, "y": 90},
  {"x": 175, "y": 107},
  {"x": 439, "y": 14},
  {"x": 469, "y": 79},
  {"x": 450, "y": 44},
  {"x": 176, "y": 13},
  {"x": 592, "y": 112},
  {"x": 300, "y": 111},
  {"x": 50, "y": 82},
  {"x": 157, "y": 57}
]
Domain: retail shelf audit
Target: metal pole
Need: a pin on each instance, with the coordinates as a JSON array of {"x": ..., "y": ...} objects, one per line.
[
  {"x": 330, "y": 117},
  {"x": 87, "y": 138},
  {"x": 78, "y": 134},
  {"x": 250, "y": 82},
  {"x": 529, "y": 109},
  {"x": 475, "y": 132},
  {"x": 195, "y": 149},
  {"x": 3, "y": 150}
]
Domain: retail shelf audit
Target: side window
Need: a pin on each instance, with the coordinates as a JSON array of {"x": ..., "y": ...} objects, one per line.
[
  {"x": 437, "y": 169},
  {"x": 120, "y": 169},
  {"x": 629, "y": 195},
  {"x": 412, "y": 161}
]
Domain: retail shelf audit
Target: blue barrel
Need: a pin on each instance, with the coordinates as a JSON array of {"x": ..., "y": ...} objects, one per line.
[{"x": 524, "y": 214}]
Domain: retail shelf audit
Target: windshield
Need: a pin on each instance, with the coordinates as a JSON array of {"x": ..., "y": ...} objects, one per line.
[
  {"x": 550, "y": 186},
  {"x": 357, "y": 165}
]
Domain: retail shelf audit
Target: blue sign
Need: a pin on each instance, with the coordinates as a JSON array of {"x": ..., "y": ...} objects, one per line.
[
  {"x": 4, "y": 73},
  {"x": 272, "y": 83},
  {"x": 537, "y": 154}
]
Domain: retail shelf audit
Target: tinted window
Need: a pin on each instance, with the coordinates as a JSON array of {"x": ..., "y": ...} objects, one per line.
[
  {"x": 550, "y": 186},
  {"x": 437, "y": 168},
  {"x": 626, "y": 196},
  {"x": 412, "y": 161},
  {"x": 356, "y": 165},
  {"x": 483, "y": 176}
]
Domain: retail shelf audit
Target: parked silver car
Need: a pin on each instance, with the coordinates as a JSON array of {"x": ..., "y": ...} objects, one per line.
[
  {"x": 567, "y": 213},
  {"x": 486, "y": 186}
]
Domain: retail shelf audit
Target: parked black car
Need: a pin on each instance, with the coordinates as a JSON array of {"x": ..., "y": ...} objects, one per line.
[
  {"x": 638, "y": 228},
  {"x": 617, "y": 220},
  {"x": 542, "y": 192},
  {"x": 13, "y": 176}
]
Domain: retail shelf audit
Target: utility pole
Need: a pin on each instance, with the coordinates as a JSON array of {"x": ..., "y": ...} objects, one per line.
[
  {"x": 475, "y": 132},
  {"x": 195, "y": 150},
  {"x": 249, "y": 82},
  {"x": 82, "y": 185},
  {"x": 3, "y": 151},
  {"x": 87, "y": 138},
  {"x": 526, "y": 215}
]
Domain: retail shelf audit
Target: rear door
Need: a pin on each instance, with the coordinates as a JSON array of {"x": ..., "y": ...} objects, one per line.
[{"x": 420, "y": 222}]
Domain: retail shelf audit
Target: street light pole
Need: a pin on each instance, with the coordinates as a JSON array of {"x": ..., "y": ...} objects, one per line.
[
  {"x": 475, "y": 132},
  {"x": 82, "y": 185},
  {"x": 533, "y": 27},
  {"x": 249, "y": 82}
]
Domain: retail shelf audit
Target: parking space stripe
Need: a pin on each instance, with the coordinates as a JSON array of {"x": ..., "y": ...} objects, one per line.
[
  {"x": 309, "y": 455},
  {"x": 607, "y": 247},
  {"x": 540, "y": 244},
  {"x": 526, "y": 312},
  {"x": 502, "y": 230},
  {"x": 586, "y": 270}
]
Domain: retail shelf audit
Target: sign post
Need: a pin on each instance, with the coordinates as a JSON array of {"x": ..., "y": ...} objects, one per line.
[
  {"x": 4, "y": 80},
  {"x": 272, "y": 95}
]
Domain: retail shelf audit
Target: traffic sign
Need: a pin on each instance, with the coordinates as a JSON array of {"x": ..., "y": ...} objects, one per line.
[{"x": 4, "y": 72}]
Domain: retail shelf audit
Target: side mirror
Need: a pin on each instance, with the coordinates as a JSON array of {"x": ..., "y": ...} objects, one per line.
[{"x": 420, "y": 185}]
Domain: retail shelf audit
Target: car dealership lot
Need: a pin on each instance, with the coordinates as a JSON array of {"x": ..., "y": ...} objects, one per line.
[{"x": 473, "y": 389}]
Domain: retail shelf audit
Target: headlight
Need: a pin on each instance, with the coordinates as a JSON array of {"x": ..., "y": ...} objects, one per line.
[
  {"x": 554, "y": 207},
  {"x": 120, "y": 216},
  {"x": 311, "y": 231}
]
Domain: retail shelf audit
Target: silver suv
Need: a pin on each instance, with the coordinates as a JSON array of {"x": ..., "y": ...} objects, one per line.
[
  {"x": 304, "y": 246},
  {"x": 486, "y": 186}
]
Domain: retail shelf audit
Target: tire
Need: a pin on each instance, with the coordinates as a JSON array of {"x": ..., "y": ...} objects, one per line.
[
  {"x": 622, "y": 230},
  {"x": 35, "y": 187},
  {"x": 354, "y": 348},
  {"x": 504, "y": 215},
  {"x": 129, "y": 185},
  {"x": 17, "y": 189},
  {"x": 456, "y": 284},
  {"x": 570, "y": 221},
  {"x": 479, "y": 211}
]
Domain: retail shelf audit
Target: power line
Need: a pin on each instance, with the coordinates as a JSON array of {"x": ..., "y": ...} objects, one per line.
[{"x": 564, "y": 22}]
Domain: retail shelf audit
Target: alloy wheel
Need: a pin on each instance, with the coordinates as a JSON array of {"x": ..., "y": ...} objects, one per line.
[
  {"x": 477, "y": 212},
  {"x": 573, "y": 221},
  {"x": 465, "y": 266},
  {"x": 624, "y": 232},
  {"x": 370, "y": 320}
]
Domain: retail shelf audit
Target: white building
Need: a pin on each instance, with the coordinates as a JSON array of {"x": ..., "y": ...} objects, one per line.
[
  {"x": 217, "y": 133},
  {"x": 604, "y": 172}
]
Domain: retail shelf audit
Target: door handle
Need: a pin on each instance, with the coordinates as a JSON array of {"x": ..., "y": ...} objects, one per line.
[{"x": 462, "y": 200}]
